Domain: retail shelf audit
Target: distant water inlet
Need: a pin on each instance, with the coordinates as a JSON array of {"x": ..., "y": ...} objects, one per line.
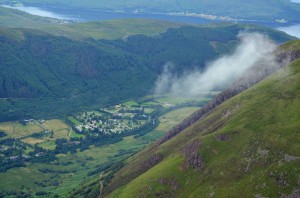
[
  {"x": 293, "y": 30},
  {"x": 83, "y": 15}
]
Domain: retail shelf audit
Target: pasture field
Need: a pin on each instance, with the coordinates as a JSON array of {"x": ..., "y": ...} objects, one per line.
[
  {"x": 32, "y": 141},
  {"x": 73, "y": 120},
  {"x": 48, "y": 144},
  {"x": 17, "y": 130},
  {"x": 172, "y": 118},
  {"x": 59, "y": 128},
  {"x": 180, "y": 100},
  {"x": 74, "y": 134}
]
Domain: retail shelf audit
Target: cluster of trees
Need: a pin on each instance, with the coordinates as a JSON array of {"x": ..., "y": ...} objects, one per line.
[
  {"x": 11, "y": 154},
  {"x": 48, "y": 170},
  {"x": 16, "y": 193},
  {"x": 2, "y": 134}
]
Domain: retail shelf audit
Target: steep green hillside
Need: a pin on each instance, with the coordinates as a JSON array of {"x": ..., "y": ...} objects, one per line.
[
  {"x": 246, "y": 147},
  {"x": 263, "y": 9},
  {"x": 45, "y": 75}
]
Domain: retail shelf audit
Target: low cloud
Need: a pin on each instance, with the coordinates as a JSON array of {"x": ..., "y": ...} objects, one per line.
[{"x": 253, "y": 48}]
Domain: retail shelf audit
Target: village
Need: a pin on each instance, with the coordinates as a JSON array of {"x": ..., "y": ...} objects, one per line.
[{"x": 113, "y": 120}]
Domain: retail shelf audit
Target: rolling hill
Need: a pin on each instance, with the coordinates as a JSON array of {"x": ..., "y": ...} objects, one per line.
[
  {"x": 263, "y": 9},
  {"x": 245, "y": 146}
]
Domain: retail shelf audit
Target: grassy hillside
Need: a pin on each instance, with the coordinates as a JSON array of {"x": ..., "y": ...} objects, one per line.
[
  {"x": 263, "y": 9},
  {"x": 246, "y": 147},
  {"x": 45, "y": 75}
]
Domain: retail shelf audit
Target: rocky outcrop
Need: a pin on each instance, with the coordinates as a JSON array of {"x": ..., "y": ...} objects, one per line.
[
  {"x": 149, "y": 163},
  {"x": 290, "y": 158},
  {"x": 192, "y": 158},
  {"x": 294, "y": 194},
  {"x": 222, "y": 137},
  {"x": 172, "y": 185}
]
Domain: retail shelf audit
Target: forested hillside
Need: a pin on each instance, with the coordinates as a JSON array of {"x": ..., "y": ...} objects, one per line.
[{"x": 46, "y": 75}]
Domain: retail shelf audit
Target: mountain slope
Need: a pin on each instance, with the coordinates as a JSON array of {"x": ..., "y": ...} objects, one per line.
[
  {"x": 246, "y": 147},
  {"x": 45, "y": 75},
  {"x": 255, "y": 9}
]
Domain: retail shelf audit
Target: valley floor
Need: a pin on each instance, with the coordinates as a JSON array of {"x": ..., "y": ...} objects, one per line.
[{"x": 42, "y": 176}]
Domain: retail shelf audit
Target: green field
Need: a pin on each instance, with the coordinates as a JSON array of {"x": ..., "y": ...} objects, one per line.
[
  {"x": 48, "y": 144},
  {"x": 59, "y": 128},
  {"x": 179, "y": 100},
  {"x": 73, "y": 120},
  {"x": 170, "y": 119},
  {"x": 17, "y": 130},
  {"x": 74, "y": 134},
  {"x": 33, "y": 141}
]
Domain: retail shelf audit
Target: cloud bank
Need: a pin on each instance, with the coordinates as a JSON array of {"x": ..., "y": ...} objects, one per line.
[{"x": 253, "y": 47}]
